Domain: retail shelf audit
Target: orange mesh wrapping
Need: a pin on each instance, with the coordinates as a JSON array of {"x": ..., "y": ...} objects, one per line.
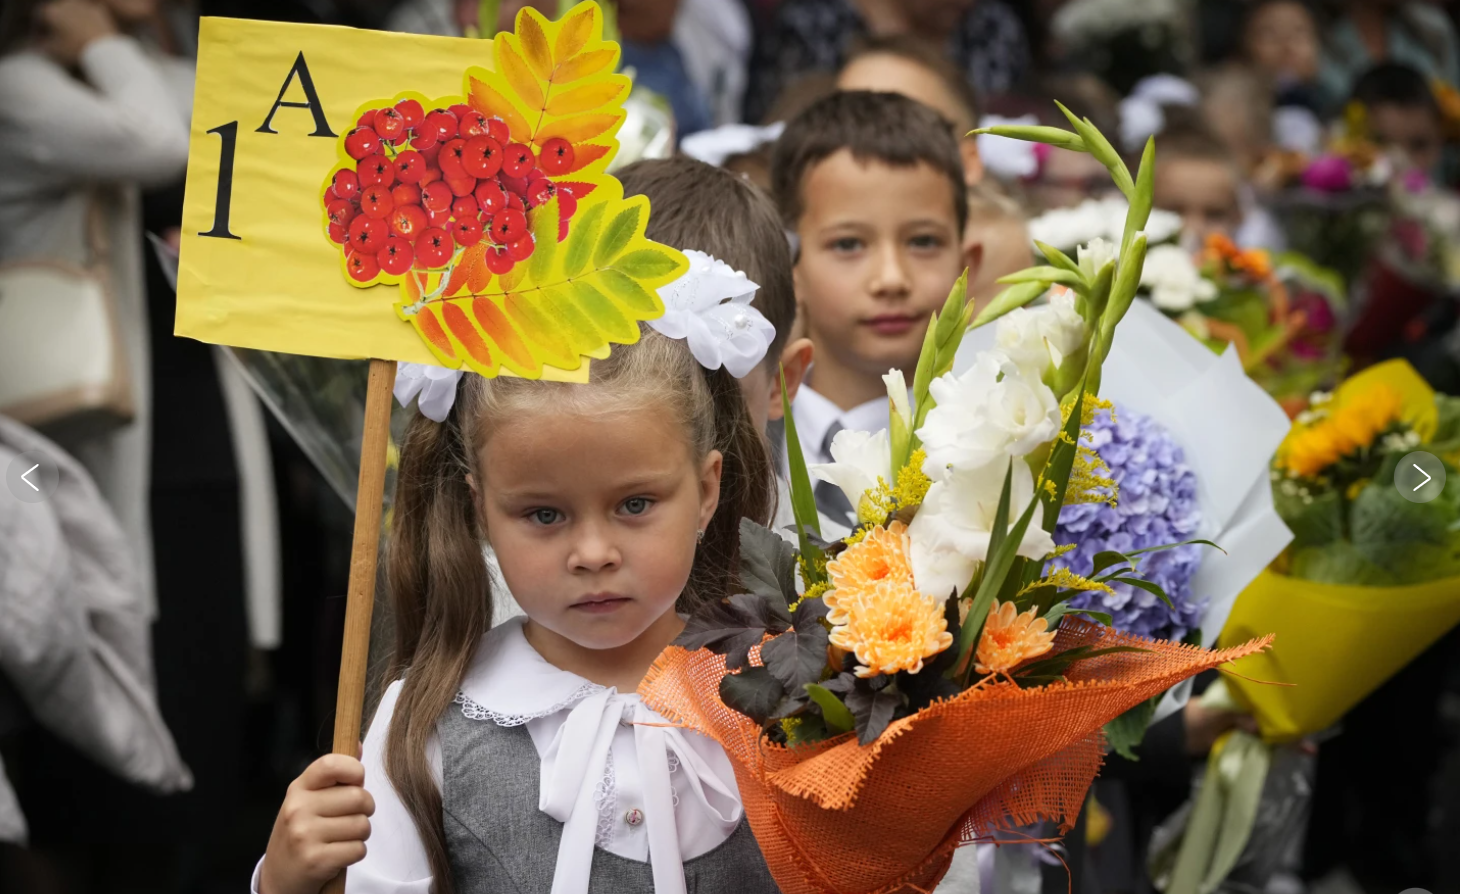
[{"x": 837, "y": 818}]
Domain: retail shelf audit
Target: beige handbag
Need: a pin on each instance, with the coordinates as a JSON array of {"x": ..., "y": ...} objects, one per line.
[{"x": 63, "y": 366}]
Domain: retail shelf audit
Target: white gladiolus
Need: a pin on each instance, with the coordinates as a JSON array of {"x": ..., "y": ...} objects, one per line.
[
  {"x": 859, "y": 459},
  {"x": 951, "y": 532},
  {"x": 1174, "y": 280},
  {"x": 990, "y": 413}
]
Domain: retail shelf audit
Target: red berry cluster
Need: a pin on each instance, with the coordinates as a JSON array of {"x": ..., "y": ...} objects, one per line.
[{"x": 425, "y": 183}]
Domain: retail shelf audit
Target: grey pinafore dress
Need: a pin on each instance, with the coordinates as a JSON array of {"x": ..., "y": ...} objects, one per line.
[{"x": 498, "y": 842}]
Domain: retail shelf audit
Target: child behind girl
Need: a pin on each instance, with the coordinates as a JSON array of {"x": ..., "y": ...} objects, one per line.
[{"x": 519, "y": 758}]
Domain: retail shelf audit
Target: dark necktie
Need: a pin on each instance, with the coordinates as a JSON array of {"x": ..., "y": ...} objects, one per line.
[{"x": 830, "y": 499}]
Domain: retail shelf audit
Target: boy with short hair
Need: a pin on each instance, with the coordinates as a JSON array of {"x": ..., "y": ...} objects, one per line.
[
  {"x": 872, "y": 186},
  {"x": 1197, "y": 178},
  {"x": 1402, "y": 114}
]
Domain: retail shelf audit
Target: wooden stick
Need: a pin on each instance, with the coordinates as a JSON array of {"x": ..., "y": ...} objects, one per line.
[{"x": 369, "y": 498}]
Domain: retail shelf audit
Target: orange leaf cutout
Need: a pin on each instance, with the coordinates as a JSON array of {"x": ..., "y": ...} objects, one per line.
[
  {"x": 499, "y": 329},
  {"x": 585, "y": 155},
  {"x": 413, "y": 287},
  {"x": 534, "y": 43},
  {"x": 461, "y": 327},
  {"x": 485, "y": 99},
  {"x": 576, "y": 129},
  {"x": 473, "y": 256},
  {"x": 585, "y": 64},
  {"x": 518, "y": 75},
  {"x": 574, "y": 35},
  {"x": 435, "y": 336},
  {"x": 586, "y": 98},
  {"x": 479, "y": 276}
]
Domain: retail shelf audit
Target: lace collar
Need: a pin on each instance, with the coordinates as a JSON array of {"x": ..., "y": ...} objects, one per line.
[{"x": 509, "y": 683}]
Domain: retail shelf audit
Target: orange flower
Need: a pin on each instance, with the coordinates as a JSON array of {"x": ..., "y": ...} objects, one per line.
[
  {"x": 875, "y": 610},
  {"x": 1353, "y": 425},
  {"x": 1010, "y": 638},
  {"x": 1310, "y": 452}
]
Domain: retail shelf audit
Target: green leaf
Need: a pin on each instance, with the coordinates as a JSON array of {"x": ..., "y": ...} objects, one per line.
[
  {"x": 645, "y": 264},
  {"x": 582, "y": 236},
  {"x": 1052, "y": 136},
  {"x": 767, "y": 563},
  {"x": 1141, "y": 199},
  {"x": 1166, "y": 546},
  {"x": 838, "y": 719},
  {"x": 803, "y": 498},
  {"x": 1012, "y": 298},
  {"x": 1107, "y": 558},
  {"x": 923, "y": 379},
  {"x": 1099, "y": 148},
  {"x": 1057, "y": 257},
  {"x": 545, "y": 239},
  {"x": 1061, "y": 461},
  {"x": 753, "y": 692},
  {"x": 1045, "y": 276},
  {"x": 1125, "y": 732},
  {"x": 633, "y": 295},
  {"x": 1003, "y": 548},
  {"x": 616, "y": 236},
  {"x": 1153, "y": 589}
]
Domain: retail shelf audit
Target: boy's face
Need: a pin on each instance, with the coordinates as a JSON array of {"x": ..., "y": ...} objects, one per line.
[
  {"x": 1203, "y": 192},
  {"x": 880, "y": 248},
  {"x": 1412, "y": 130},
  {"x": 1282, "y": 39}
]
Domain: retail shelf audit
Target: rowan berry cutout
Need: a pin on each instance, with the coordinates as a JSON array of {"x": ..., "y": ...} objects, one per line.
[
  {"x": 557, "y": 156},
  {"x": 408, "y": 222},
  {"x": 375, "y": 201},
  {"x": 481, "y": 157},
  {"x": 497, "y": 130},
  {"x": 490, "y": 197},
  {"x": 450, "y": 159},
  {"x": 521, "y": 250},
  {"x": 406, "y": 194},
  {"x": 368, "y": 234},
  {"x": 363, "y": 266},
  {"x": 498, "y": 261},
  {"x": 397, "y": 256},
  {"x": 411, "y": 113},
  {"x": 362, "y": 141},
  {"x": 346, "y": 184},
  {"x": 508, "y": 226},
  {"x": 517, "y": 160},
  {"x": 410, "y": 165},
  {"x": 435, "y": 247},
  {"x": 467, "y": 231},
  {"x": 436, "y": 197},
  {"x": 389, "y": 124},
  {"x": 374, "y": 169}
]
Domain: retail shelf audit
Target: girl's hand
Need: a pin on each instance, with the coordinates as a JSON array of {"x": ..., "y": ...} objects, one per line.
[
  {"x": 321, "y": 828},
  {"x": 67, "y": 27}
]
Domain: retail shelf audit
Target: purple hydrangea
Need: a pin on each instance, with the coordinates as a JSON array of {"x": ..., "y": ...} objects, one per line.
[{"x": 1157, "y": 506}]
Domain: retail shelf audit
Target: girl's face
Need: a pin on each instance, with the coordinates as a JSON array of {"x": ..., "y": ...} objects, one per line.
[{"x": 594, "y": 518}]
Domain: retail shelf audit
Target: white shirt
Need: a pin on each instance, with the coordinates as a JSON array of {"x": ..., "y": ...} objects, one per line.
[
  {"x": 599, "y": 762},
  {"x": 815, "y": 416}
]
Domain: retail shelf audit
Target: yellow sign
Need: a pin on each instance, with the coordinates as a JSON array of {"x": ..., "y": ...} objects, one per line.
[{"x": 438, "y": 200}]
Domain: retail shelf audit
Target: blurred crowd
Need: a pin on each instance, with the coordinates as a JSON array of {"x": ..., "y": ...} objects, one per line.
[{"x": 169, "y": 639}]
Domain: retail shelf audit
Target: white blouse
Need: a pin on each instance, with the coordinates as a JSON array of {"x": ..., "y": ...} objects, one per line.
[{"x": 655, "y": 794}]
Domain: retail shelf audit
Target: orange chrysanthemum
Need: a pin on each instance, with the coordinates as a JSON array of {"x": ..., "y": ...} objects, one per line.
[
  {"x": 1010, "y": 638},
  {"x": 876, "y": 611}
]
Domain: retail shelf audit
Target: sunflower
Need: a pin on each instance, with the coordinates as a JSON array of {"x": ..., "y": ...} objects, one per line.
[
  {"x": 876, "y": 611},
  {"x": 1010, "y": 638}
]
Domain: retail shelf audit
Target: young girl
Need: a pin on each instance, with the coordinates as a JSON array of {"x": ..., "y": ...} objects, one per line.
[{"x": 519, "y": 758}]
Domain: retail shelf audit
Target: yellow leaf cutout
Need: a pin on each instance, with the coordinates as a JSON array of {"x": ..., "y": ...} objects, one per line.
[
  {"x": 535, "y": 47},
  {"x": 576, "y": 27},
  {"x": 576, "y": 129},
  {"x": 583, "y": 99},
  {"x": 586, "y": 64},
  {"x": 486, "y": 99},
  {"x": 518, "y": 75}
]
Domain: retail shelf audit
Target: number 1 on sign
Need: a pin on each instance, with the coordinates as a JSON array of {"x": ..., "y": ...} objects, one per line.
[{"x": 223, "y": 204}]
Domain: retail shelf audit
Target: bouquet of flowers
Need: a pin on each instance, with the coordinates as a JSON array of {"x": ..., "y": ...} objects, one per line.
[
  {"x": 933, "y": 656},
  {"x": 1282, "y": 317},
  {"x": 1368, "y": 567}
]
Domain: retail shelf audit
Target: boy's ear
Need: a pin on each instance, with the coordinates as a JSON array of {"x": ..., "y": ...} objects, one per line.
[
  {"x": 795, "y": 360},
  {"x": 973, "y": 258},
  {"x": 972, "y": 163}
]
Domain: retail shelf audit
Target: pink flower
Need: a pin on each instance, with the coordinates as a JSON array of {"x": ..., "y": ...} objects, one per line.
[{"x": 1329, "y": 173}]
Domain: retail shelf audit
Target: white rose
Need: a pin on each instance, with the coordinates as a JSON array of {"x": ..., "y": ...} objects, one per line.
[
  {"x": 859, "y": 459},
  {"x": 980, "y": 417},
  {"x": 950, "y": 534},
  {"x": 1174, "y": 280}
]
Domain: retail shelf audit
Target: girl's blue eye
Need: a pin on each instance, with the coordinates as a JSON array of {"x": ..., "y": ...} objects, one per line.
[
  {"x": 545, "y": 516},
  {"x": 636, "y": 505}
]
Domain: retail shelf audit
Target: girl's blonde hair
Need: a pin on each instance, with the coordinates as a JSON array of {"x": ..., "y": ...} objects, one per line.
[{"x": 440, "y": 588}]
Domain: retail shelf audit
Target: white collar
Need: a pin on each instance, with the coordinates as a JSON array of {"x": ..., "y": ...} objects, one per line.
[
  {"x": 815, "y": 415},
  {"x": 511, "y": 683}
]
